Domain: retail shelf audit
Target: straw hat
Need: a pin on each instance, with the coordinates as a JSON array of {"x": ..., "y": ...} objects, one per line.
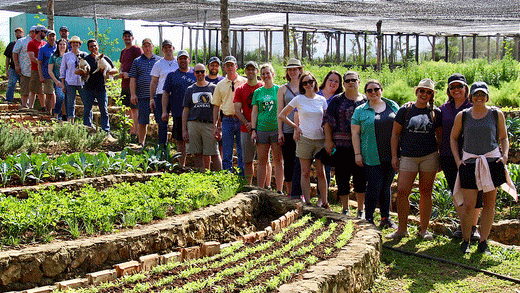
[
  {"x": 293, "y": 63},
  {"x": 427, "y": 84},
  {"x": 75, "y": 39}
]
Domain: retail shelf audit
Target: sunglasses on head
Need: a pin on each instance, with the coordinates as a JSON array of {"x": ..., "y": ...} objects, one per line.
[
  {"x": 456, "y": 87},
  {"x": 350, "y": 80},
  {"x": 423, "y": 91},
  {"x": 308, "y": 82},
  {"x": 374, "y": 90}
]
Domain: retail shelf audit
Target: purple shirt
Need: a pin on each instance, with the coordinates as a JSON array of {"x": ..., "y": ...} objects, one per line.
[{"x": 448, "y": 112}]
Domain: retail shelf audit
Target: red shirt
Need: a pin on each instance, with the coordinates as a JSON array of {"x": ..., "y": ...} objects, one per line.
[
  {"x": 126, "y": 58},
  {"x": 34, "y": 46},
  {"x": 244, "y": 95}
]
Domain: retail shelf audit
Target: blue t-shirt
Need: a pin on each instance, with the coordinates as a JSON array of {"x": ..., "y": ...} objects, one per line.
[
  {"x": 214, "y": 80},
  {"x": 44, "y": 55},
  {"x": 140, "y": 70},
  {"x": 175, "y": 85}
]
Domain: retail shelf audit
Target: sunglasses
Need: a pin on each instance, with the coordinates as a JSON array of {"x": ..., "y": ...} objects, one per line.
[
  {"x": 200, "y": 71},
  {"x": 456, "y": 87},
  {"x": 480, "y": 94},
  {"x": 425, "y": 91},
  {"x": 375, "y": 90},
  {"x": 350, "y": 80},
  {"x": 308, "y": 82},
  {"x": 232, "y": 85}
]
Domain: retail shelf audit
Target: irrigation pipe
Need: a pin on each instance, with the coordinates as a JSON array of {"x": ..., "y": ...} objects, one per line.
[{"x": 489, "y": 273}]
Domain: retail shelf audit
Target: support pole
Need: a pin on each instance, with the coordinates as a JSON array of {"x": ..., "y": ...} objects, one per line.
[
  {"x": 266, "y": 39},
  {"x": 191, "y": 42},
  {"x": 498, "y": 46},
  {"x": 242, "y": 48},
  {"x": 446, "y": 50},
  {"x": 489, "y": 48},
  {"x": 196, "y": 59},
  {"x": 417, "y": 48},
  {"x": 379, "y": 44},
  {"x": 216, "y": 45},
  {"x": 50, "y": 14},
  {"x": 338, "y": 47},
  {"x": 304, "y": 44},
  {"x": 235, "y": 44},
  {"x": 204, "y": 37},
  {"x": 345, "y": 47},
  {"x": 182, "y": 37},
  {"x": 209, "y": 43},
  {"x": 365, "y": 52},
  {"x": 391, "y": 49},
  {"x": 286, "y": 38},
  {"x": 433, "y": 48},
  {"x": 161, "y": 37},
  {"x": 270, "y": 45},
  {"x": 407, "y": 47},
  {"x": 462, "y": 48},
  {"x": 224, "y": 24},
  {"x": 474, "y": 46},
  {"x": 96, "y": 29}
]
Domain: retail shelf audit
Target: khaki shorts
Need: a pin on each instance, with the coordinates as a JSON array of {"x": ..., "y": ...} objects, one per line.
[
  {"x": 248, "y": 148},
  {"x": 307, "y": 148},
  {"x": 48, "y": 87},
  {"x": 24, "y": 85},
  {"x": 35, "y": 86},
  {"x": 429, "y": 163},
  {"x": 202, "y": 140}
]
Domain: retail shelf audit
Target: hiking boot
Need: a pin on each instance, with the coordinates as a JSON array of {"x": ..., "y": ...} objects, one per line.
[
  {"x": 458, "y": 233},
  {"x": 346, "y": 212},
  {"x": 475, "y": 235},
  {"x": 483, "y": 248},
  {"x": 387, "y": 223},
  {"x": 464, "y": 247},
  {"x": 359, "y": 214}
]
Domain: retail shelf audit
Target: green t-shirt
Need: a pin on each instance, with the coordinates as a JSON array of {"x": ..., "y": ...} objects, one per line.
[
  {"x": 57, "y": 63},
  {"x": 266, "y": 101}
]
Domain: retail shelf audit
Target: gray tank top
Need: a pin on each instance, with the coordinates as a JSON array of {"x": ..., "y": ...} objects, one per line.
[
  {"x": 480, "y": 135},
  {"x": 286, "y": 128}
]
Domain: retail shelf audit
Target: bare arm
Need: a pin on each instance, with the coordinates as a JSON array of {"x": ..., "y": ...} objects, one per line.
[
  {"x": 356, "y": 143},
  {"x": 329, "y": 144},
  {"x": 164, "y": 101},
  {"x": 17, "y": 67},
  {"x": 217, "y": 130},
  {"x": 454, "y": 138},
  {"x": 241, "y": 117},
  {"x": 153, "y": 89},
  {"x": 133, "y": 86},
  {"x": 32, "y": 57},
  {"x": 394, "y": 142},
  {"x": 280, "y": 103},
  {"x": 254, "y": 117},
  {"x": 185, "y": 113},
  {"x": 504, "y": 141},
  {"x": 40, "y": 72}
]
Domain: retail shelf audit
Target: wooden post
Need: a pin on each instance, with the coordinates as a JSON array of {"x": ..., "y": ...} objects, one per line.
[
  {"x": 161, "y": 38},
  {"x": 391, "y": 49},
  {"x": 50, "y": 14},
  {"x": 462, "y": 49},
  {"x": 295, "y": 42},
  {"x": 417, "y": 48},
  {"x": 379, "y": 44},
  {"x": 196, "y": 59},
  {"x": 304, "y": 44},
  {"x": 204, "y": 37},
  {"x": 266, "y": 39},
  {"x": 365, "y": 52},
  {"x": 489, "y": 48},
  {"x": 286, "y": 37},
  {"x": 235, "y": 44},
  {"x": 498, "y": 46},
  {"x": 96, "y": 29},
  {"x": 446, "y": 50},
  {"x": 216, "y": 44},
  {"x": 338, "y": 47},
  {"x": 517, "y": 47},
  {"x": 209, "y": 43},
  {"x": 474, "y": 46},
  {"x": 242, "y": 49},
  {"x": 407, "y": 46},
  {"x": 191, "y": 42},
  {"x": 345, "y": 47},
  {"x": 182, "y": 36},
  {"x": 503, "y": 46},
  {"x": 433, "y": 48},
  {"x": 224, "y": 24},
  {"x": 270, "y": 45}
]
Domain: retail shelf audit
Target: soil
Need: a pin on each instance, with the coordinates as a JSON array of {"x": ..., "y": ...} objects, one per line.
[{"x": 318, "y": 251}]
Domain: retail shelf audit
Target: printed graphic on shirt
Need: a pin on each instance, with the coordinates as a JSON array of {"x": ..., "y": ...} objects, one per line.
[
  {"x": 201, "y": 99},
  {"x": 420, "y": 124}
]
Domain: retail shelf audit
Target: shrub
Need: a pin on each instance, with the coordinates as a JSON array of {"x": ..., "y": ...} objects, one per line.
[{"x": 399, "y": 92}]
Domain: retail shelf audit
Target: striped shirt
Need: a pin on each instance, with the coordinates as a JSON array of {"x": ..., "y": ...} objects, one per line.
[{"x": 140, "y": 70}]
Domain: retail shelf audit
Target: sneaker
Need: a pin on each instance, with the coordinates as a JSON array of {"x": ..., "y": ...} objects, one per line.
[
  {"x": 279, "y": 192},
  {"x": 426, "y": 235},
  {"x": 475, "y": 235},
  {"x": 483, "y": 248},
  {"x": 326, "y": 206},
  {"x": 346, "y": 212},
  {"x": 396, "y": 235},
  {"x": 464, "y": 247},
  {"x": 387, "y": 223},
  {"x": 458, "y": 233},
  {"x": 359, "y": 214}
]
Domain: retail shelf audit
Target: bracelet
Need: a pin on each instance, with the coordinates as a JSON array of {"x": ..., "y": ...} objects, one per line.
[
  {"x": 253, "y": 129},
  {"x": 357, "y": 154}
]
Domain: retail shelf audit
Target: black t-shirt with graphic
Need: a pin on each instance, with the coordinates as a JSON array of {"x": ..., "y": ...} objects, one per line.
[
  {"x": 418, "y": 133},
  {"x": 198, "y": 99}
]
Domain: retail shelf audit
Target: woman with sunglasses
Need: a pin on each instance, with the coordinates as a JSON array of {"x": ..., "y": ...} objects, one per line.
[
  {"x": 338, "y": 136},
  {"x": 264, "y": 128},
  {"x": 308, "y": 134},
  {"x": 485, "y": 151},
  {"x": 54, "y": 73},
  {"x": 291, "y": 164},
  {"x": 458, "y": 93},
  {"x": 371, "y": 128},
  {"x": 416, "y": 133}
]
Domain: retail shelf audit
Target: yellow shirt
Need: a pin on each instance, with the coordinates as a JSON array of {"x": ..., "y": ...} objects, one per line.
[{"x": 223, "y": 95}]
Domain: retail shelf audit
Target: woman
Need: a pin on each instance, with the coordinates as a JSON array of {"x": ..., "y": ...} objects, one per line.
[
  {"x": 291, "y": 164},
  {"x": 264, "y": 128},
  {"x": 338, "y": 136},
  {"x": 308, "y": 134},
  {"x": 416, "y": 132},
  {"x": 458, "y": 94},
  {"x": 484, "y": 132},
  {"x": 73, "y": 82},
  {"x": 54, "y": 73},
  {"x": 371, "y": 132}
]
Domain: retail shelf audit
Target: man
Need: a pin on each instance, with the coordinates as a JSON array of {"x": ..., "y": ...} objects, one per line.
[
  {"x": 35, "y": 85},
  {"x": 197, "y": 121},
  {"x": 22, "y": 65},
  {"x": 223, "y": 98},
  {"x": 128, "y": 55},
  {"x": 160, "y": 70},
  {"x": 64, "y": 33},
  {"x": 44, "y": 55},
  {"x": 243, "y": 108},
  {"x": 174, "y": 90},
  {"x": 214, "y": 68},
  {"x": 95, "y": 88},
  {"x": 10, "y": 67},
  {"x": 140, "y": 79}
]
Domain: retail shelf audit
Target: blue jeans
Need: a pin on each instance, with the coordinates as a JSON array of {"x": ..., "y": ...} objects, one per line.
[
  {"x": 230, "y": 135},
  {"x": 379, "y": 180},
  {"x": 11, "y": 84},
  {"x": 161, "y": 125},
  {"x": 70, "y": 99},
  {"x": 88, "y": 101},
  {"x": 60, "y": 97}
]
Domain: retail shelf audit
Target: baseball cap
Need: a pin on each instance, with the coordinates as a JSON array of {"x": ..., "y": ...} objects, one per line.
[
  {"x": 183, "y": 53},
  {"x": 51, "y": 32},
  {"x": 167, "y": 42},
  {"x": 147, "y": 40},
  {"x": 128, "y": 32},
  {"x": 33, "y": 28},
  {"x": 64, "y": 28},
  {"x": 40, "y": 28},
  {"x": 214, "y": 59},
  {"x": 251, "y": 63},
  {"x": 230, "y": 59},
  {"x": 19, "y": 29},
  {"x": 479, "y": 86},
  {"x": 457, "y": 77}
]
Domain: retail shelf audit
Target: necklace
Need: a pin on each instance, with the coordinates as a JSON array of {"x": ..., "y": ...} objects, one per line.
[{"x": 170, "y": 63}]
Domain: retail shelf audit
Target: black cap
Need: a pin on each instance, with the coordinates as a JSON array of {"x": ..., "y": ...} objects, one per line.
[
  {"x": 128, "y": 32},
  {"x": 166, "y": 42},
  {"x": 457, "y": 77},
  {"x": 479, "y": 86},
  {"x": 40, "y": 28},
  {"x": 214, "y": 59},
  {"x": 64, "y": 28},
  {"x": 230, "y": 59}
]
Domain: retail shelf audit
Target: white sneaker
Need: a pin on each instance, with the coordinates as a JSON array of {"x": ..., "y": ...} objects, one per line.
[
  {"x": 426, "y": 235},
  {"x": 395, "y": 235}
]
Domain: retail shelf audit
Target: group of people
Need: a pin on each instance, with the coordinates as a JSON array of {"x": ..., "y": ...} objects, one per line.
[{"x": 364, "y": 136}]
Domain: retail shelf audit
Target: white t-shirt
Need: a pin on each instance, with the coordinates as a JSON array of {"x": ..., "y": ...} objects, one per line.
[
  {"x": 311, "y": 113},
  {"x": 161, "y": 69}
]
